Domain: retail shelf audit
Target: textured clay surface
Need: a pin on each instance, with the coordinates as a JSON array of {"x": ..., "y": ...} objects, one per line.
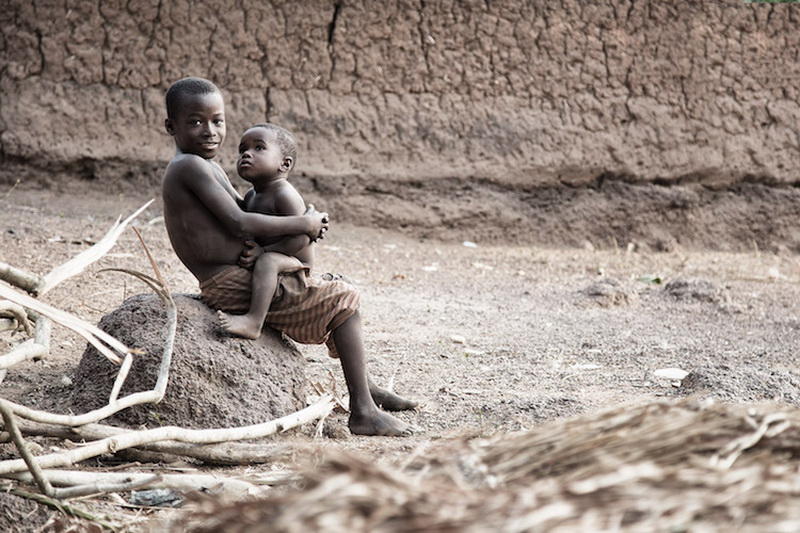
[
  {"x": 518, "y": 92},
  {"x": 215, "y": 381},
  {"x": 545, "y": 122}
]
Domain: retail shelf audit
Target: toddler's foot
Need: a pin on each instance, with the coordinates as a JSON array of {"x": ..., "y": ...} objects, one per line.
[
  {"x": 378, "y": 423},
  {"x": 240, "y": 325},
  {"x": 390, "y": 401}
]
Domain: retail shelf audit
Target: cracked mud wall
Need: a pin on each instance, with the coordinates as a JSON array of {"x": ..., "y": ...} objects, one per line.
[{"x": 534, "y": 93}]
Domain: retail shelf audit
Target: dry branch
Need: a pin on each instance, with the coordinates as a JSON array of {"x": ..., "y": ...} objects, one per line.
[
  {"x": 199, "y": 436},
  {"x": 19, "y": 278},
  {"x": 183, "y": 482},
  {"x": 22, "y": 448},
  {"x": 77, "y": 264},
  {"x": 17, "y": 314},
  {"x": 223, "y": 453},
  {"x": 34, "y": 348},
  {"x": 91, "y": 333}
]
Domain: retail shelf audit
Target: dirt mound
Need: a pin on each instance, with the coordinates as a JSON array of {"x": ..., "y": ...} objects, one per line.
[
  {"x": 608, "y": 292},
  {"x": 748, "y": 383},
  {"x": 698, "y": 290},
  {"x": 215, "y": 380}
]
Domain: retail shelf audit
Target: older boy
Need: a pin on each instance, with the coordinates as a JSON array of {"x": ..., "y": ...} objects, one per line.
[{"x": 207, "y": 227}]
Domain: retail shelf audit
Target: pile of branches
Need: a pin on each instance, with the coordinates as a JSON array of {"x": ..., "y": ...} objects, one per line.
[
  {"x": 23, "y": 310},
  {"x": 657, "y": 467}
]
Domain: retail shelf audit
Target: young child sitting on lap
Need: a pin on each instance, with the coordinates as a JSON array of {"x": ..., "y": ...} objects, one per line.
[{"x": 267, "y": 154}]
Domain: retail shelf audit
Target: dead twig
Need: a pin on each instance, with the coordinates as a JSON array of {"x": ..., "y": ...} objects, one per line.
[{"x": 138, "y": 438}]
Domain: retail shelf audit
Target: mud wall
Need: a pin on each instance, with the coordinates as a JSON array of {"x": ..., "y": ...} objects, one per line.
[{"x": 536, "y": 92}]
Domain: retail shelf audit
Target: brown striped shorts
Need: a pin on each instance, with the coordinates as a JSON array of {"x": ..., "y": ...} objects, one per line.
[{"x": 306, "y": 309}]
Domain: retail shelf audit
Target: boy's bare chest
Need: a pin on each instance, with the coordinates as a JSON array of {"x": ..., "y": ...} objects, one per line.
[{"x": 261, "y": 203}]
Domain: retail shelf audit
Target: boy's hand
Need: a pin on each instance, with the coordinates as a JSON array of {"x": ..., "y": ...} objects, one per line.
[
  {"x": 249, "y": 255},
  {"x": 319, "y": 224}
]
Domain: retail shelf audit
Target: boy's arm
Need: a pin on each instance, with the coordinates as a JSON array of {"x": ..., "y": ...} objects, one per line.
[
  {"x": 197, "y": 176},
  {"x": 288, "y": 202}
]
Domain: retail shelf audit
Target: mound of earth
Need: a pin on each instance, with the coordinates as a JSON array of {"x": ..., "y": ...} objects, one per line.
[
  {"x": 699, "y": 290},
  {"x": 743, "y": 384},
  {"x": 608, "y": 292},
  {"x": 215, "y": 380}
]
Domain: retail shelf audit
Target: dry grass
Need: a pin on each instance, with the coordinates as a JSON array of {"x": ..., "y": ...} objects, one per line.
[{"x": 663, "y": 466}]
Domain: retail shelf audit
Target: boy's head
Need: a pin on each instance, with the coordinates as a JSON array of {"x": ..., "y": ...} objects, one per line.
[
  {"x": 266, "y": 151},
  {"x": 196, "y": 116}
]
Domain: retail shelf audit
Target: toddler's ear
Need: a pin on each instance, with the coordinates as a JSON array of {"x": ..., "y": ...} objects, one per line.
[
  {"x": 287, "y": 164},
  {"x": 169, "y": 126}
]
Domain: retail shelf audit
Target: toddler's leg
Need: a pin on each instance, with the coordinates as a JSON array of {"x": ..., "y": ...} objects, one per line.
[{"x": 265, "y": 281}]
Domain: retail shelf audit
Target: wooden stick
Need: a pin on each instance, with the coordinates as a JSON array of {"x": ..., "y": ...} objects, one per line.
[
  {"x": 121, "y": 376},
  {"x": 182, "y": 482},
  {"x": 102, "y": 487},
  {"x": 63, "y": 507},
  {"x": 39, "y": 346},
  {"x": 23, "y": 352},
  {"x": 19, "y": 278},
  {"x": 22, "y": 448},
  {"x": 138, "y": 438},
  {"x": 77, "y": 264},
  {"x": 223, "y": 453},
  {"x": 91, "y": 333},
  {"x": 16, "y": 312},
  {"x": 151, "y": 396}
]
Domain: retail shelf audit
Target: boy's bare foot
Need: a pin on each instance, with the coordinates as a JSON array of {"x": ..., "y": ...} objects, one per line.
[
  {"x": 378, "y": 423},
  {"x": 388, "y": 400},
  {"x": 240, "y": 325}
]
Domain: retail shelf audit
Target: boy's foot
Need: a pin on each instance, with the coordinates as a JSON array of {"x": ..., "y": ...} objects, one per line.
[
  {"x": 388, "y": 400},
  {"x": 378, "y": 423},
  {"x": 240, "y": 325}
]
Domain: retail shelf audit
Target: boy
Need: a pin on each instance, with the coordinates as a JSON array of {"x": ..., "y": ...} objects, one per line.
[
  {"x": 207, "y": 227},
  {"x": 267, "y": 154}
]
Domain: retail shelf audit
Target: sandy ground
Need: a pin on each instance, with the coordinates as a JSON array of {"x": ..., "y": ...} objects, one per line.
[{"x": 489, "y": 337}]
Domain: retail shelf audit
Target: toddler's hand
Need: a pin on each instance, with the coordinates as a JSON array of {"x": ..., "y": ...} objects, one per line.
[
  {"x": 249, "y": 255},
  {"x": 320, "y": 223}
]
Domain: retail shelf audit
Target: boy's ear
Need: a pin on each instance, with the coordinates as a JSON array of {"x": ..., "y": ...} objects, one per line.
[
  {"x": 169, "y": 126},
  {"x": 287, "y": 164}
]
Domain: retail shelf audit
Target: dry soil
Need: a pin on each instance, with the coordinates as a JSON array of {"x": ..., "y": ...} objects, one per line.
[{"x": 488, "y": 337}]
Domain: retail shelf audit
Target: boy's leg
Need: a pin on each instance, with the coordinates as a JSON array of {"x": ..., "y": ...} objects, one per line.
[
  {"x": 264, "y": 283},
  {"x": 365, "y": 417}
]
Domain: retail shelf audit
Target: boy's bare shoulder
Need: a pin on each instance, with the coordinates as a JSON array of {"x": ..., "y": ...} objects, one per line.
[
  {"x": 288, "y": 200},
  {"x": 183, "y": 165},
  {"x": 187, "y": 169}
]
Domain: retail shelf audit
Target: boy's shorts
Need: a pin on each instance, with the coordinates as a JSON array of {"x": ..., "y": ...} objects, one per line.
[{"x": 306, "y": 309}]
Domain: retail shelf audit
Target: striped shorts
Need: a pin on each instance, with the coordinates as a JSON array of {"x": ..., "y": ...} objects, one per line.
[{"x": 306, "y": 309}]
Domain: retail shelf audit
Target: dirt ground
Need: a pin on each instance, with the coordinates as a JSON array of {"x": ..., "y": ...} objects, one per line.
[{"x": 489, "y": 337}]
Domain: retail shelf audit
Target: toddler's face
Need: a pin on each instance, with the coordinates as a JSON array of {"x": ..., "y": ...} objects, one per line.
[
  {"x": 199, "y": 127},
  {"x": 260, "y": 155}
]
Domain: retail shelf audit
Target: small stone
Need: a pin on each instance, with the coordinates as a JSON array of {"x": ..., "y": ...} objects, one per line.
[
  {"x": 66, "y": 381},
  {"x": 671, "y": 373},
  {"x": 458, "y": 339},
  {"x": 469, "y": 244}
]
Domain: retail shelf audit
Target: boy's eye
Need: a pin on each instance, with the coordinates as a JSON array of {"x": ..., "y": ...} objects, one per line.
[
  {"x": 218, "y": 121},
  {"x": 259, "y": 148}
]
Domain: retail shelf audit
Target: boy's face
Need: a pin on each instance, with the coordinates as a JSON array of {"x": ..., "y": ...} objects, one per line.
[
  {"x": 260, "y": 156},
  {"x": 199, "y": 124}
]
